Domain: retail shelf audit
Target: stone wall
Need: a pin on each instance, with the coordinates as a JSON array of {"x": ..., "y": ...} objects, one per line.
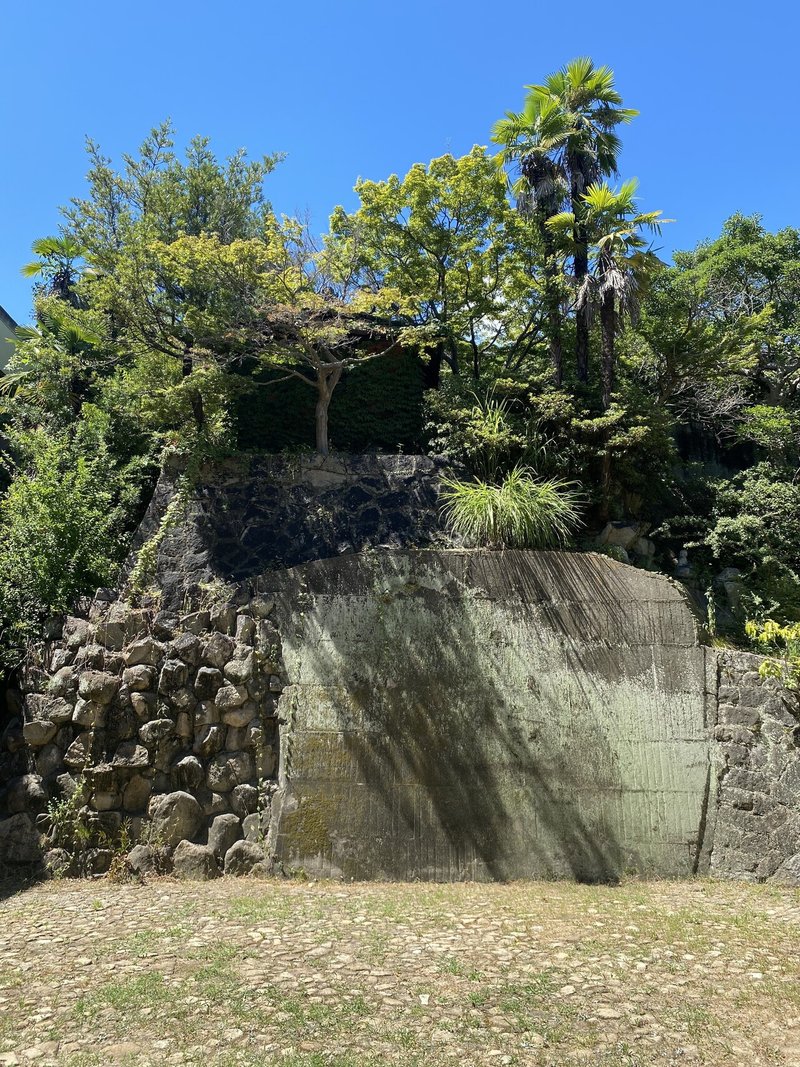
[
  {"x": 268, "y": 512},
  {"x": 166, "y": 724},
  {"x": 394, "y": 711},
  {"x": 758, "y": 769}
]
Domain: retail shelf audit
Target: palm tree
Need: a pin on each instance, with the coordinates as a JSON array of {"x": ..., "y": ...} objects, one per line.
[
  {"x": 621, "y": 261},
  {"x": 569, "y": 120},
  {"x": 50, "y": 366},
  {"x": 540, "y": 194},
  {"x": 56, "y": 264}
]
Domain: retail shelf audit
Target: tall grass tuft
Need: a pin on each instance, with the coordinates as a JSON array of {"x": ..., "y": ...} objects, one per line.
[{"x": 522, "y": 511}]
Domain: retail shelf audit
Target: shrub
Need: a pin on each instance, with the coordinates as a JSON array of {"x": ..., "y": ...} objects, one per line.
[
  {"x": 522, "y": 511},
  {"x": 782, "y": 644},
  {"x": 59, "y": 533}
]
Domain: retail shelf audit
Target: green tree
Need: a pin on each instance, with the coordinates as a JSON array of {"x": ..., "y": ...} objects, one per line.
[
  {"x": 60, "y": 530},
  {"x": 52, "y": 365},
  {"x": 563, "y": 141},
  {"x": 58, "y": 264},
  {"x": 316, "y": 344},
  {"x": 441, "y": 251},
  {"x": 178, "y": 251},
  {"x": 622, "y": 264}
]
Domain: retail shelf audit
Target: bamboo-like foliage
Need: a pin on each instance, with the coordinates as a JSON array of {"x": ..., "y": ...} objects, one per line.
[{"x": 522, "y": 511}]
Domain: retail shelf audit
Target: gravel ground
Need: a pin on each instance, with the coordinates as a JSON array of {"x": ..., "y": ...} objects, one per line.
[{"x": 311, "y": 974}]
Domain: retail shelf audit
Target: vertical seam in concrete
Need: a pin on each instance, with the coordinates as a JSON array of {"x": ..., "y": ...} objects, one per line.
[{"x": 708, "y": 817}]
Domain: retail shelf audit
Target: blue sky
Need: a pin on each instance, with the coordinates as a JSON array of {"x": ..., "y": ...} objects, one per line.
[{"x": 359, "y": 88}]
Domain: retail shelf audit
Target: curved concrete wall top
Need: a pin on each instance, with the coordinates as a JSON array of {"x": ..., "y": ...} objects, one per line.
[{"x": 461, "y": 714}]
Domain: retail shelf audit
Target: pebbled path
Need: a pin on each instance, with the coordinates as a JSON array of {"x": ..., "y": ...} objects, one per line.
[{"x": 239, "y": 972}]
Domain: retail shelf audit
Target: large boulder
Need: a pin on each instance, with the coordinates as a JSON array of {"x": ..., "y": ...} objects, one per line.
[
  {"x": 209, "y": 740},
  {"x": 40, "y": 706},
  {"x": 64, "y": 681},
  {"x": 218, "y": 650},
  {"x": 197, "y": 863},
  {"x": 137, "y": 793},
  {"x": 147, "y": 652},
  {"x": 225, "y": 830},
  {"x": 26, "y": 793},
  {"x": 174, "y": 675},
  {"x": 156, "y": 730},
  {"x": 39, "y": 732},
  {"x": 141, "y": 859},
  {"x": 79, "y": 752},
  {"x": 188, "y": 648},
  {"x": 243, "y": 857},
  {"x": 622, "y": 534},
  {"x": 188, "y": 774},
  {"x": 87, "y": 712},
  {"x": 140, "y": 677},
  {"x": 49, "y": 760},
  {"x": 229, "y": 769},
  {"x": 207, "y": 683},
  {"x": 239, "y": 717},
  {"x": 98, "y": 686},
  {"x": 789, "y": 872},
  {"x": 176, "y": 817},
  {"x": 130, "y": 757},
  {"x": 242, "y": 667},
  {"x": 231, "y": 696},
  {"x": 20, "y": 841},
  {"x": 244, "y": 800}
]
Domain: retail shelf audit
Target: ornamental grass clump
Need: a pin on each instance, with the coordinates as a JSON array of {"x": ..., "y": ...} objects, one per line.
[{"x": 522, "y": 511}]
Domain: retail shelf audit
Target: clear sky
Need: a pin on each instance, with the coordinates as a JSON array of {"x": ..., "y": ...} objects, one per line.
[{"x": 364, "y": 88}]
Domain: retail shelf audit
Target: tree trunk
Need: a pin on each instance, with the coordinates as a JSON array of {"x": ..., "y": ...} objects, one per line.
[
  {"x": 451, "y": 355},
  {"x": 556, "y": 358},
  {"x": 552, "y": 300},
  {"x": 580, "y": 260},
  {"x": 433, "y": 368},
  {"x": 605, "y": 485},
  {"x": 327, "y": 378},
  {"x": 195, "y": 398},
  {"x": 608, "y": 328},
  {"x": 581, "y": 263}
]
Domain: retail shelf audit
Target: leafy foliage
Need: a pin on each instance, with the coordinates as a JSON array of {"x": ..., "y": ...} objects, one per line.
[{"x": 61, "y": 523}]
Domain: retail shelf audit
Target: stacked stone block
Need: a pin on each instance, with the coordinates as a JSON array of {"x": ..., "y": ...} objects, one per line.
[{"x": 168, "y": 724}]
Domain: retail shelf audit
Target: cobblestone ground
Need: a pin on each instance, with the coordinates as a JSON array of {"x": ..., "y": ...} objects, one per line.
[{"x": 306, "y": 975}]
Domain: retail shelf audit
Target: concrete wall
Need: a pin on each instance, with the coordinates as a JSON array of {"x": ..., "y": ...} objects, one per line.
[{"x": 483, "y": 715}]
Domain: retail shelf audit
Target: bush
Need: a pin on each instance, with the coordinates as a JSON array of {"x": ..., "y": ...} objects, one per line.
[
  {"x": 754, "y": 527},
  {"x": 60, "y": 533},
  {"x": 521, "y": 512}
]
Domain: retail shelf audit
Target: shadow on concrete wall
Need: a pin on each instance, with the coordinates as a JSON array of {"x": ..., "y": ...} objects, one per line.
[{"x": 457, "y": 779}]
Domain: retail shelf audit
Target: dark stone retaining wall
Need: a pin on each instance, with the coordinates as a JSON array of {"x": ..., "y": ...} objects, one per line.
[{"x": 270, "y": 512}]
